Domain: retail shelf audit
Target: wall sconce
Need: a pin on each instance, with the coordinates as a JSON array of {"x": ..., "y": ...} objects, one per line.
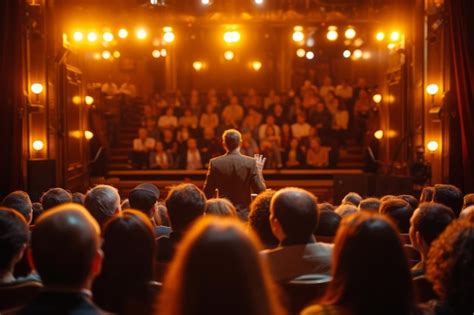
[
  {"x": 88, "y": 134},
  {"x": 378, "y": 134},
  {"x": 37, "y": 145},
  {"x": 36, "y": 88},
  {"x": 89, "y": 100},
  {"x": 432, "y": 89},
  {"x": 377, "y": 98},
  {"x": 432, "y": 146}
]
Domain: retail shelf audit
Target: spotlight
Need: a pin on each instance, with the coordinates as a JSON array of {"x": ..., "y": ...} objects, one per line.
[
  {"x": 298, "y": 36},
  {"x": 259, "y": 2},
  {"x": 229, "y": 55},
  {"x": 301, "y": 52},
  {"x": 357, "y": 54},
  {"x": 380, "y": 36},
  {"x": 231, "y": 37},
  {"x": 37, "y": 88},
  {"x": 256, "y": 65},
  {"x": 378, "y": 134},
  {"x": 332, "y": 33},
  {"x": 156, "y": 53},
  {"x": 78, "y": 36},
  {"x": 198, "y": 65},
  {"x": 108, "y": 36},
  {"x": 350, "y": 33},
  {"x": 116, "y": 54},
  {"x": 123, "y": 33},
  {"x": 395, "y": 36},
  {"x": 38, "y": 145},
  {"x": 89, "y": 100},
  {"x": 377, "y": 98},
  {"x": 141, "y": 33},
  {"x": 346, "y": 53},
  {"x": 432, "y": 146},
  {"x": 432, "y": 89},
  {"x": 163, "y": 52},
  {"x": 88, "y": 134},
  {"x": 168, "y": 37},
  {"x": 106, "y": 54},
  {"x": 92, "y": 37},
  {"x": 310, "y": 55}
]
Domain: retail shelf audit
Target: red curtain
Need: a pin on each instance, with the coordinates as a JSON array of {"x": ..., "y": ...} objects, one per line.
[{"x": 461, "y": 24}]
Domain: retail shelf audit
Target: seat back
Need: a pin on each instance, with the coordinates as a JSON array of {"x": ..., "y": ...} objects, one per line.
[
  {"x": 423, "y": 290},
  {"x": 303, "y": 290},
  {"x": 16, "y": 295}
]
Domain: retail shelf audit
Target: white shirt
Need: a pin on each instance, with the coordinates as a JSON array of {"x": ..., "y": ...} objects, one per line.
[
  {"x": 167, "y": 121},
  {"x": 143, "y": 145},
  {"x": 193, "y": 159},
  {"x": 300, "y": 130},
  {"x": 344, "y": 92}
]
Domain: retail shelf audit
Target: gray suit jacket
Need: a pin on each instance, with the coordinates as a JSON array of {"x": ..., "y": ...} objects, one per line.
[{"x": 236, "y": 176}]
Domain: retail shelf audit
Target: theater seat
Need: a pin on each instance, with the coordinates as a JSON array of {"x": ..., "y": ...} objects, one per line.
[
  {"x": 423, "y": 290},
  {"x": 413, "y": 256},
  {"x": 16, "y": 295},
  {"x": 303, "y": 290}
]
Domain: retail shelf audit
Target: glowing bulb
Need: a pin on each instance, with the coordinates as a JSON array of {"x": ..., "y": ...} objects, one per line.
[
  {"x": 156, "y": 53},
  {"x": 332, "y": 35},
  {"x": 141, "y": 33},
  {"x": 432, "y": 89},
  {"x": 357, "y": 54},
  {"x": 92, "y": 37},
  {"x": 366, "y": 55},
  {"x": 380, "y": 36},
  {"x": 205, "y": 2},
  {"x": 163, "y": 52},
  {"x": 391, "y": 46},
  {"x": 432, "y": 146},
  {"x": 377, "y": 98},
  {"x": 256, "y": 65},
  {"x": 259, "y": 2},
  {"x": 38, "y": 145},
  {"x": 89, "y": 100},
  {"x": 116, "y": 54},
  {"x": 123, "y": 33},
  {"x": 310, "y": 55},
  {"x": 346, "y": 53},
  {"x": 395, "y": 36},
  {"x": 298, "y": 36},
  {"x": 197, "y": 65},
  {"x": 168, "y": 37},
  {"x": 229, "y": 55},
  {"x": 378, "y": 134},
  {"x": 88, "y": 134},
  {"x": 167, "y": 29},
  {"x": 298, "y": 28},
  {"x": 108, "y": 36},
  {"x": 96, "y": 56},
  {"x": 350, "y": 33},
  {"x": 76, "y": 100},
  {"x": 37, "y": 88},
  {"x": 301, "y": 52},
  {"x": 78, "y": 36},
  {"x": 106, "y": 54}
]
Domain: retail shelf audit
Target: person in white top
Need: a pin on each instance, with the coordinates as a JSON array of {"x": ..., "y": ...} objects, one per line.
[
  {"x": 233, "y": 110},
  {"x": 301, "y": 128},
  {"x": 326, "y": 87},
  {"x": 141, "y": 148},
  {"x": 344, "y": 90},
  {"x": 128, "y": 88},
  {"x": 192, "y": 156},
  {"x": 159, "y": 158},
  {"x": 169, "y": 120},
  {"x": 270, "y": 121}
]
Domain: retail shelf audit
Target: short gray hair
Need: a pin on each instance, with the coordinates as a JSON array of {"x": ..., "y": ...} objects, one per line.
[{"x": 102, "y": 202}]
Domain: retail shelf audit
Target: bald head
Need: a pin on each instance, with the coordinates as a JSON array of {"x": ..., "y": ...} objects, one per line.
[{"x": 64, "y": 243}]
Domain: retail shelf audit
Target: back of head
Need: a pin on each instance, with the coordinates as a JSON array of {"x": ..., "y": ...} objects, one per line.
[
  {"x": 414, "y": 203},
  {"x": 370, "y": 205},
  {"x": 449, "y": 267},
  {"x": 64, "y": 243},
  {"x": 78, "y": 198},
  {"x": 231, "y": 139},
  {"x": 467, "y": 214},
  {"x": 102, "y": 201},
  {"x": 399, "y": 211},
  {"x": 259, "y": 218},
  {"x": 218, "y": 270},
  {"x": 430, "y": 219},
  {"x": 143, "y": 198},
  {"x": 220, "y": 207},
  {"x": 326, "y": 206},
  {"x": 296, "y": 211},
  {"x": 328, "y": 223},
  {"x": 346, "y": 209},
  {"x": 19, "y": 201},
  {"x": 450, "y": 196},
  {"x": 55, "y": 197},
  {"x": 185, "y": 204},
  {"x": 468, "y": 201},
  {"x": 37, "y": 211},
  {"x": 427, "y": 194},
  {"x": 353, "y": 198},
  {"x": 370, "y": 270},
  {"x": 13, "y": 238}
]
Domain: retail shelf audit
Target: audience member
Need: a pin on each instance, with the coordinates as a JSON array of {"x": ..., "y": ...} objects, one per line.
[
  {"x": 414, "y": 203},
  {"x": 370, "y": 205},
  {"x": 316, "y": 155},
  {"x": 449, "y": 196},
  {"x": 19, "y": 201},
  {"x": 352, "y": 198},
  {"x": 399, "y": 211},
  {"x": 78, "y": 198},
  {"x": 467, "y": 213},
  {"x": 427, "y": 194},
  {"x": 141, "y": 149},
  {"x": 218, "y": 270},
  {"x": 191, "y": 157},
  {"x": 345, "y": 210},
  {"x": 103, "y": 202},
  {"x": 326, "y": 206},
  {"x": 293, "y": 219},
  {"x": 37, "y": 211},
  {"x": 468, "y": 201},
  {"x": 55, "y": 197},
  {"x": 328, "y": 223},
  {"x": 220, "y": 207},
  {"x": 259, "y": 220},
  {"x": 144, "y": 198},
  {"x": 160, "y": 158}
]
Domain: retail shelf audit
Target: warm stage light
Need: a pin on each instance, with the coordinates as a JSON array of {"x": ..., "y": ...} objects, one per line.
[
  {"x": 395, "y": 36},
  {"x": 432, "y": 89},
  {"x": 432, "y": 146},
  {"x": 298, "y": 36},
  {"x": 156, "y": 53},
  {"x": 88, "y": 134},
  {"x": 108, "y": 36},
  {"x": 377, "y": 98},
  {"x": 106, "y": 54},
  {"x": 332, "y": 33},
  {"x": 259, "y": 2},
  {"x": 391, "y": 46},
  {"x": 366, "y": 55},
  {"x": 256, "y": 65},
  {"x": 92, "y": 37},
  {"x": 310, "y": 42},
  {"x": 96, "y": 56},
  {"x": 205, "y": 2},
  {"x": 346, "y": 53},
  {"x": 37, "y": 88},
  {"x": 116, "y": 54},
  {"x": 141, "y": 33},
  {"x": 231, "y": 37},
  {"x": 123, "y": 33},
  {"x": 38, "y": 145},
  {"x": 357, "y": 54},
  {"x": 198, "y": 65},
  {"x": 76, "y": 100},
  {"x": 89, "y": 100},
  {"x": 380, "y": 36},
  {"x": 310, "y": 55},
  {"x": 301, "y": 52},
  {"x": 378, "y": 134},
  {"x": 350, "y": 33},
  {"x": 78, "y": 36},
  {"x": 358, "y": 42},
  {"x": 163, "y": 52},
  {"x": 229, "y": 55},
  {"x": 168, "y": 37}
]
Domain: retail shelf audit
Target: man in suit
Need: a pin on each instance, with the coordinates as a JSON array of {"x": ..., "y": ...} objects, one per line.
[
  {"x": 65, "y": 251},
  {"x": 234, "y": 175}
]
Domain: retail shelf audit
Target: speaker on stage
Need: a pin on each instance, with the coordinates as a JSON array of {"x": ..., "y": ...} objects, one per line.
[{"x": 41, "y": 177}]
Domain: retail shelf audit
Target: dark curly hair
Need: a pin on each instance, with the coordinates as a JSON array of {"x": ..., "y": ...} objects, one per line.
[
  {"x": 450, "y": 265},
  {"x": 259, "y": 219}
]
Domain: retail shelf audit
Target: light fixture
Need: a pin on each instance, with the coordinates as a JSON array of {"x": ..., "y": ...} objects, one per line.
[
  {"x": 332, "y": 34},
  {"x": 310, "y": 42},
  {"x": 256, "y": 65},
  {"x": 92, "y": 37},
  {"x": 395, "y": 36},
  {"x": 366, "y": 55},
  {"x": 310, "y": 55},
  {"x": 106, "y": 54},
  {"x": 380, "y": 36},
  {"x": 432, "y": 89},
  {"x": 391, "y": 46},
  {"x": 377, "y": 98},
  {"x": 301, "y": 52},
  {"x": 141, "y": 33},
  {"x": 198, "y": 65},
  {"x": 37, "y": 145},
  {"x": 378, "y": 134},
  {"x": 432, "y": 146},
  {"x": 76, "y": 100},
  {"x": 163, "y": 52},
  {"x": 123, "y": 33},
  {"x": 357, "y": 54},
  {"x": 346, "y": 53},
  {"x": 156, "y": 53},
  {"x": 116, "y": 54},
  {"x": 88, "y": 134},
  {"x": 231, "y": 37},
  {"x": 78, "y": 36},
  {"x": 168, "y": 37},
  {"x": 258, "y": 2},
  {"x": 89, "y": 100},
  {"x": 96, "y": 55},
  {"x": 229, "y": 55},
  {"x": 108, "y": 36},
  {"x": 350, "y": 33},
  {"x": 37, "y": 88},
  {"x": 298, "y": 35},
  {"x": 358, "y": 42},
  {"x": 205, "y": 2}
]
